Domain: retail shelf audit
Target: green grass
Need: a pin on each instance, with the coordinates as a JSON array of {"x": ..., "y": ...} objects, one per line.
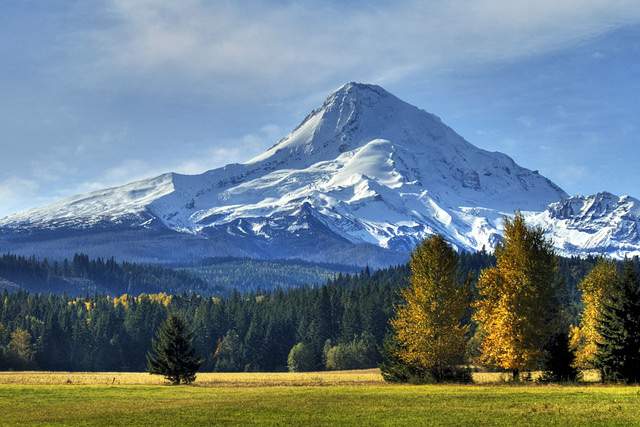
[{"x": 365, "y": 403}]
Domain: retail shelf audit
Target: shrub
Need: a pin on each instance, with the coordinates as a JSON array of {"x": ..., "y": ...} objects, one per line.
[
  {"x": 357, "y": 354},
  {"x": 301, "y": 358}
]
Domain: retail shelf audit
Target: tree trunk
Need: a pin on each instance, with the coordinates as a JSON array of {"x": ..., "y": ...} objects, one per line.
[{"x": 516, "y": 375}]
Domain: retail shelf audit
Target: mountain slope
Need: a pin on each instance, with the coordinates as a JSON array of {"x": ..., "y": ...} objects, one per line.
[
  {"x": 599, "y": 224},
  {"x": 362, "y": 178}
]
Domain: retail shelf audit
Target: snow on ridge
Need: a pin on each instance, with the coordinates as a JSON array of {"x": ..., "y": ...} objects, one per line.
[
  {"x": 598, "y": 224},
  {"x": 372, "y": 169}
]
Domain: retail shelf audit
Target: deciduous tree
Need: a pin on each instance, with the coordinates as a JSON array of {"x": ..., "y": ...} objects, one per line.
[
  {"x": 596, "y": 287},
  {"x": 301, "y": 358},
  {"x": 517, "y": 303},
  {"x": 428, "y": 326}
]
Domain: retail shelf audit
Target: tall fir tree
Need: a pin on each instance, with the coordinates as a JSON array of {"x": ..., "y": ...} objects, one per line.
[
  {"x": 172, "y": 354},
  {"x": 518, "y": 307},
  {"x": 618, "y": 347},
  {"x": 429, "y": 326}
]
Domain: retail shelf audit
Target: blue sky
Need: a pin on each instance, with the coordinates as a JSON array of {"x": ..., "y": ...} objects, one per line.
[{"x": 99, "y": 93}]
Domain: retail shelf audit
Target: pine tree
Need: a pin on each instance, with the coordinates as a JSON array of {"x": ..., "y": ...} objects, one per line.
[
  {"x": 559, "y": 365},
  {"x": 172, "y": 353},
  {"x": 618, "y": 347},
  {"x": 429, "y": 325},
  {"x": 229, "y": 353},
  {"x": 596, "y": 287},
  {"x": 517, "y": 308}
]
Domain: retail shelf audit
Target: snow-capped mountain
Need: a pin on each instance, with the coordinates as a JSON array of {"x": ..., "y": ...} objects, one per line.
[
  {"x": 359, "y": 181},
  {"x": 599, "y": 224}
]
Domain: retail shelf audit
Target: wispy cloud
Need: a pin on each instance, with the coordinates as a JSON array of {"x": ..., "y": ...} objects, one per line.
[
  {"x": 234, "y": 47},
  {"x": 14, "y": 191},
  {"x": 116, "y": 90},
  {"x": 231, "y": 150}
]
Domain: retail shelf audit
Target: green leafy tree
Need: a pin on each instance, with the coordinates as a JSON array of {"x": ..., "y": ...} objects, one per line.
[
  {"x": 357, "y": 354},
  {"x": 618, "y": 349},
  {"x": 172, "y": 354},
  {"x": 301, "y": 358}
]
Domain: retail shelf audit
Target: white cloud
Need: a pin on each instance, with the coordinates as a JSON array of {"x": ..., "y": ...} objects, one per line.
[
  {"x": 526, "y": 121},
  {"x": 234, "y": 150},
  {"x": 280, "y": 55},
  {"x": 571, "y": 174},
  {"x": 237, "y": 47},
  {"x": 16, "y": 192}
]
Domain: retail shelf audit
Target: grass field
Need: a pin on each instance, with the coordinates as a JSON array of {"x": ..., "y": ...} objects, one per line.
[{"x": 331, "y": 398}]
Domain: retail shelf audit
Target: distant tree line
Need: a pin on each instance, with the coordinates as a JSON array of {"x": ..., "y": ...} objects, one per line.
[
  {"x": 84, "y": 276},
  {"x": 340, "y": 325},
  {"x": 251, "y": 275}
]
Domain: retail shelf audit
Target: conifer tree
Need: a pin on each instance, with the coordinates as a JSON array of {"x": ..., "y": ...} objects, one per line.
[
  {"x": 559, "y": 365},
  {"x": 172, "y": 353},
  {"x": 596, "y": 287},
  {"x": 228, "y": 353},
  {"x": 429, "y": 326},
  {"x": 618, "y": 347},
  {"x": 517, "y": 303}
]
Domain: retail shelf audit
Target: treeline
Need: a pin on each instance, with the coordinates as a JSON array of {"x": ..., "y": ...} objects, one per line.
[
  {"x": 252, "y": 275},
  {"x": 84, "y": 276},
  {"x": 340, "y": 325},
  {"x": 240, "y": 332},
  {"x": 253, "y": 332}
]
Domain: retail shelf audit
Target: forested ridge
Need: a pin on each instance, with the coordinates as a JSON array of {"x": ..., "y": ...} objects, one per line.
[
  {"x": 82, "y": 275},
  {"x": 345, "y": 320},
  {"x": 253, "y": 275}
]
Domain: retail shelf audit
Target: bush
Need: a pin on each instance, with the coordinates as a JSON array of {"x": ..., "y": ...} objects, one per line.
[
  {"x": 395, "y": 370},
  {"x": 301, "y": 358},
  {"x": 357, "y": 354}
]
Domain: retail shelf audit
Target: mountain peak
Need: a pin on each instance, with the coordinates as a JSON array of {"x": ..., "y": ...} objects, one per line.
[
  {"x": 356, "y": 90},
  {"x": 350, "y": 117},
  {"x": 365, "y": 172}
]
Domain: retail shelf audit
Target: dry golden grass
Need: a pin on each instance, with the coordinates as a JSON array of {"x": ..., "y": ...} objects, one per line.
[
  {"x": 364, "y": 377},
  {"x": 356, "y": 377}
]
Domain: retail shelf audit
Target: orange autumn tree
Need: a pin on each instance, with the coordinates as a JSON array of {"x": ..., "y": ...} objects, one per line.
[
  {"x": 516, "y": 308},
  {"x": 428, "y": 327},
  {"x": 596, "y": 288}
]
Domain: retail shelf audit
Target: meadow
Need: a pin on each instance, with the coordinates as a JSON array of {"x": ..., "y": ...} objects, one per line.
[{"x": 327, "y": 398}]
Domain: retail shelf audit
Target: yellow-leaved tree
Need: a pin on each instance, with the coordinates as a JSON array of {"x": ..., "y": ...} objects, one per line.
[
  {"x": 517, "y": 305},
  {"x": 428, "y": 327},
  {"x": 595, "y": 288}
]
